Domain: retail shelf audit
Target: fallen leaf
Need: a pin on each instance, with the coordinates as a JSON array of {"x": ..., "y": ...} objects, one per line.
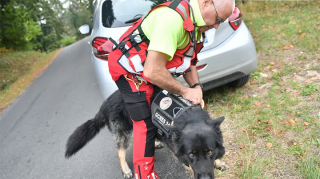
[
  {"x": 305, "y": 123},
  {"x": 268, "y": 67},
  {"x": 291, "y": 122},
  {"x": 290, "y": 143},
  {"x": 280, "y": 132},
  {"x": 266, "y": 121},
  {"x": 274, "y": 70},
  {"x": 300, "y": 31},
  {"x": 313, "y": 121},
  {"x": 244, "y": 130},
  {"x": 284, "y": 34},
  {"x": 256, "y": 37},
  {"x": 288, "y": 47},
  {"x": 272, "y": 63},
  {"x": 257, "y": 103},
  {"x": 299, "y": 25},
  {"x": 241, "y": 146},
  {"x": 268, "y": 128},
  {"x": 296, "y": 119},
  {"x": 268, "y": 105},
  {"x": 269, "y": 145}
]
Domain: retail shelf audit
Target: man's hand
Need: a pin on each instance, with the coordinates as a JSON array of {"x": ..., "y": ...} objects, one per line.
[
  {"x": 194, "y": 95},
  {"x": 155, "y": 70}
]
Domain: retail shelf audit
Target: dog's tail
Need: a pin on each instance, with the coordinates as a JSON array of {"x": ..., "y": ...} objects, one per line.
[{"x": 84, "y": 133}]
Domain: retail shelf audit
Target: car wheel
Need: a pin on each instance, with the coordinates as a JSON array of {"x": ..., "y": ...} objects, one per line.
[{"x": 239, "y": 82}]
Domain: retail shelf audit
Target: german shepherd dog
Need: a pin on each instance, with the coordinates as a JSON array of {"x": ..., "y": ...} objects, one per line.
[{"x": 196, "y": 140}]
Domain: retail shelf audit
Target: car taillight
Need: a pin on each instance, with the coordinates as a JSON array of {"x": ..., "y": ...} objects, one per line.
[
  {"x": 102, "y": 47},
  {"x": 201, "y": 66},
  {"x": 235, "y": 18}
]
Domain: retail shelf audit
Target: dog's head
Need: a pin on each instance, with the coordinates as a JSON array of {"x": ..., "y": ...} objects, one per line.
[{"x": 197, "y": 142}]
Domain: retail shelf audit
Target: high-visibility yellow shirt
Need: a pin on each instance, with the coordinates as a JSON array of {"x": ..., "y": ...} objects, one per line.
[{"x": 164, "y": 28}]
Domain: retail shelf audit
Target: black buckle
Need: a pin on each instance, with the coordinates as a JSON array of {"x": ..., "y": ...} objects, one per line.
[
  {"x": 133, "y": 42},
  {"x": 122, "y": 48}
]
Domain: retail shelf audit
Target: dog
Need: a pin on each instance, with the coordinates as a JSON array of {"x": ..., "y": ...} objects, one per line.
[{"x": 195, "y": 140}]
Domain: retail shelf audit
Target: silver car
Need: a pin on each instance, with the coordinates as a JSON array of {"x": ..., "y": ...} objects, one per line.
[{"x": 228, "y": 57}]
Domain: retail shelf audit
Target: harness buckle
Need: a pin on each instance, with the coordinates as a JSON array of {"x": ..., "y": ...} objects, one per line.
[
  {"x": 133, "y": 42},
  {"x": 121, "y": 47}
]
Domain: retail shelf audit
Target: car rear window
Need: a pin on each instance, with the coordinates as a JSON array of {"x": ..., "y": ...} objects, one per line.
[{"x": 115, "y": 13}]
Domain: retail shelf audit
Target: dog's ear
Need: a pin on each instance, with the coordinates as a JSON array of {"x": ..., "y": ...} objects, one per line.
[
  {"x": 175, "y": 132},
  {"x": 180, "y": 122},
  {"x": 215, "y": 122}
]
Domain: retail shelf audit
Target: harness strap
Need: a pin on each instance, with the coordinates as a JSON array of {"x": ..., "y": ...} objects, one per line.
[
  {"x": 134, "y": 43},
  {"x": 143, "y": 37},
  {"x": 174, "y": 4}
]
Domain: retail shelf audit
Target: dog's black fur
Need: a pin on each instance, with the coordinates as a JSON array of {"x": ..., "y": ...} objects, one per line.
[{"x": 195, "y": 140}]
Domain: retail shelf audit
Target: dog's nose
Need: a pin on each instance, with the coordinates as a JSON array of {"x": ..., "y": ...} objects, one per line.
[{"x": 205, "y": 177}]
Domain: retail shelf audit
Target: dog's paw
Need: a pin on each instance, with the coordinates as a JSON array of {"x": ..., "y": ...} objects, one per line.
[
  {"x": 127, "y": 173},
  {"x": 158, "y": 144},
  {"x": 220, "y": 165}
]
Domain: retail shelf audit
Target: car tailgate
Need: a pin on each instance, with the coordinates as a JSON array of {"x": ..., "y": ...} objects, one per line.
[{"x": 214, "y": 37}]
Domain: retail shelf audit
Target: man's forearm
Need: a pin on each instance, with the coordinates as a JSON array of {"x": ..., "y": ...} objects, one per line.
[
  {"x": 163, "y": 79},
  {"x": 192, "y": 76},
  {"x": 155, "y": 70}
]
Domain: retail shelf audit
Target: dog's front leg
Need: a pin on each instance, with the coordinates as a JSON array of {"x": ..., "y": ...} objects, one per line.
[
  {"x": 190, "y": 170},
  {"x": 127, "y": 173},
  {"x": 158, "y": 144},
  {"x": 220, "y": 165}
]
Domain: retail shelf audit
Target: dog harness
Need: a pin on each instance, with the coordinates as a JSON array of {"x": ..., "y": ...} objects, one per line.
[
  {"x": 130, "y": 52},
  {"x": 166, "y": 107}
]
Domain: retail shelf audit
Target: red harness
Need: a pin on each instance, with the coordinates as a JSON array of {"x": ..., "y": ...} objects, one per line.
[{"x": 129, "y": 55}]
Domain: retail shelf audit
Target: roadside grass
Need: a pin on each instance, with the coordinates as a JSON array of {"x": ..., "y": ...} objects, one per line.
[
  {"x": 18, "y": 70},
  {"x": 272, "y": 126}
]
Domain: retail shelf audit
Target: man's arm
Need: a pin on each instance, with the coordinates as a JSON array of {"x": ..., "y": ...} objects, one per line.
[
  {"x": 155, "y": 70},
  {"x": 192, "y": 76}
]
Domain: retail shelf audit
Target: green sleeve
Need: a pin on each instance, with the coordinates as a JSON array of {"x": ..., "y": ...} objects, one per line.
[{"x": 164, "y": 29}]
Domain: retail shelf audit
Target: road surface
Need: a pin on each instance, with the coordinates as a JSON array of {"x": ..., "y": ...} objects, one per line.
[{"x": 35, "y": 128}]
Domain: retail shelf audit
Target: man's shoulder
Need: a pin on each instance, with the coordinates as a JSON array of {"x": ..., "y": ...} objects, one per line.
[{"x": 166, "y": 14}]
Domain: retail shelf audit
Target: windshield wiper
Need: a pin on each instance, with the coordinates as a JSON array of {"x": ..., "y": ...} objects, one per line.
[
  {"x": 135, "y": 18},
  {"x": 132, "y": 20}
]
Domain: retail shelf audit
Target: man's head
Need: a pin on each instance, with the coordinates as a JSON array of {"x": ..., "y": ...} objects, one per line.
[{"x": 215, "y": 12}]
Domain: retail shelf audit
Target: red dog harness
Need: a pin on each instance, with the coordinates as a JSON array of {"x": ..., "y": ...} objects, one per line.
[{"x": 129, "y": 55}]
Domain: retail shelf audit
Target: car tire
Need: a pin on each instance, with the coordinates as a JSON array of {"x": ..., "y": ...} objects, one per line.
[{"x": 239, "y": 82}]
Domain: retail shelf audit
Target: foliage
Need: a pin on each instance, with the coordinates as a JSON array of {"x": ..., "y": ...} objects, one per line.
[
  {"x": 41, "y": 24},
  {"x": 17, "y": 29},
  {"x": 67, "y": 40}
]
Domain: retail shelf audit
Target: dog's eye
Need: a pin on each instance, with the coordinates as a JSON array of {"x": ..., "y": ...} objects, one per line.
[
  {"x": 191, "y": 155},
  {"x": 209, "y": 152}
]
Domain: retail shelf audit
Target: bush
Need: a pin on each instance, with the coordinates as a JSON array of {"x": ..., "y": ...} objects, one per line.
[{"x": 67, "y": 40}]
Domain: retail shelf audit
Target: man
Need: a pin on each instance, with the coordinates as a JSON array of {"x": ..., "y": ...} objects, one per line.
[{"x": 150, "y": 54}]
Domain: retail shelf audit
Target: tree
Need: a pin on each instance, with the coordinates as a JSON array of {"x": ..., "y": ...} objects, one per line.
[{"x": 17, "y": 28}]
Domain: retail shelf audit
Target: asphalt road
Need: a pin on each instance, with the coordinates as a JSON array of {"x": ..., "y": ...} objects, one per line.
[{"x": 35, "y": 128}]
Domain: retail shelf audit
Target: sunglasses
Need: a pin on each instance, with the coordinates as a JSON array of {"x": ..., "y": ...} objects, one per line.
[{"x": 219, "y": 20}]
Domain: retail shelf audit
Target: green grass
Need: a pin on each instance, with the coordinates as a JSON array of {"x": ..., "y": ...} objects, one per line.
[
  {"x": 18, "y": 70},
  {"x": 280, "y": 104},
  {"x": 310, "y": 168},
  {"x": 14, "y": 65}
]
